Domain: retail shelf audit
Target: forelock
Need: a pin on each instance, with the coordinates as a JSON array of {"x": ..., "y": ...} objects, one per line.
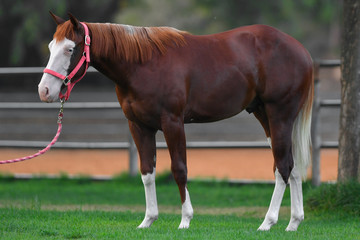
[{"x": 63, "y": 31}]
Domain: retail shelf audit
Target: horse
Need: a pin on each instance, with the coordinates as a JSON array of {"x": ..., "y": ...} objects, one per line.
[{"x": 166, "y": 78}]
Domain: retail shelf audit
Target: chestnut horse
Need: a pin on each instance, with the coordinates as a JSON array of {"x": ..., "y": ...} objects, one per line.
[{"x": 165, "y": 78}]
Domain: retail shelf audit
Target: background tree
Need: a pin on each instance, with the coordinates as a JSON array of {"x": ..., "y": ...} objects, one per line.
[
  {"x": 315, "y": 23},
  {"x": 26, "y": 26},
  {"x": 349, "y": 137}
]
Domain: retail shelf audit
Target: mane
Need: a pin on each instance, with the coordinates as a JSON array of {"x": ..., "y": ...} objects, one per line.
[{"x": 133, "y": 44}]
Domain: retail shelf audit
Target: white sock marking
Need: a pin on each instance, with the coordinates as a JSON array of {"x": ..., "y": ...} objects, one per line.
[
  {"x": 152, "y": 211},
  {"x": 187, "y": 212},
  {"x": 272, "y": 214},
  {"x": 297, "y": 209}
]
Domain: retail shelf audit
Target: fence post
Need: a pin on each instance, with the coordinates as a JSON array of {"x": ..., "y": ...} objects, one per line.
[
  {"x": 315, "y": 136},
  {"x": 133, "y": 157}
]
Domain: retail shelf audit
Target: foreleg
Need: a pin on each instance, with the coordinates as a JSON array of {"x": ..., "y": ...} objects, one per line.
[
  {"x": 173, "y": 128},
  {"x": 144, "y": 139}
]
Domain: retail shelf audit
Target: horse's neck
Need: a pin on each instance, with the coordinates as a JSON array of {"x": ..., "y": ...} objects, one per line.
[
  {"x": 117, "y": 50},
  {"x": 104, "y": 56},
  {"x": 117, "y": 71}
]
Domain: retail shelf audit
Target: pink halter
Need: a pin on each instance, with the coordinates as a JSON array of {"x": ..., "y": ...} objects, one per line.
[{"x": 67, "y": 79}]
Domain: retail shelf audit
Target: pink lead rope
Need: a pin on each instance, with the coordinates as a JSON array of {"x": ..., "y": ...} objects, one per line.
[
  {"x": 63, "y": 98},
  {"x": 60, "y": 117}
]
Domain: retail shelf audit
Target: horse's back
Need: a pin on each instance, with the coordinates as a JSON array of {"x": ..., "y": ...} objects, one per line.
[
  {"x": 269, "y": 41},
  {"x": 229, "y": 69}
]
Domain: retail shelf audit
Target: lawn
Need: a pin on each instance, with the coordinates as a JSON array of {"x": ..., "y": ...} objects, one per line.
[{"x": 85, "y": 209}]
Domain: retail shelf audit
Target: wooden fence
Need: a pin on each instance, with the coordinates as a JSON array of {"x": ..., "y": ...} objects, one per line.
[{"x": 316, "y": 139}]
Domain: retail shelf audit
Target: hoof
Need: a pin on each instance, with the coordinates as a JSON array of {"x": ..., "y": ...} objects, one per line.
[
  {"x": 147, "y": 222},
  {"x": 294, "y": 223},
  {"x": 185, "y": 223},
  {"x": 267, "y": 224}
]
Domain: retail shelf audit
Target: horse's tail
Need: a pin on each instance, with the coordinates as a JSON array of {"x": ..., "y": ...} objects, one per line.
[{"x": 301, "y": 134}]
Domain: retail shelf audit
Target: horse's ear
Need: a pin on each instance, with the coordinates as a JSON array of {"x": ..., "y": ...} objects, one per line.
[
  {"x": 57, "y": 19},
  {"x": 74, "y": 21}
]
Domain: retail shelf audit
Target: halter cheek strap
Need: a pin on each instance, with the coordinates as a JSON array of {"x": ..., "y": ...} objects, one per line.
[{"x": 67, "y": 79}]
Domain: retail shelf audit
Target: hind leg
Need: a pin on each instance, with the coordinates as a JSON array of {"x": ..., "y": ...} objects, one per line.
[
  {"x": 280, "y": 127},
  {"x": 271, "y": 217},
  {"x": 281, "y": 120},
  {"x": 272, "y": 214},
  {"x": 297, "y": 208},
  {"x": 144, "y": 139},
  {"x": 261, "y": 115}
]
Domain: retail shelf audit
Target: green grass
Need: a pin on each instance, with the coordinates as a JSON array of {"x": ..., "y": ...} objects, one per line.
[
  {"x": 38, "y": 209},
  {"x": 36, "y": 224},
  {"x": 125, "y": 190}
]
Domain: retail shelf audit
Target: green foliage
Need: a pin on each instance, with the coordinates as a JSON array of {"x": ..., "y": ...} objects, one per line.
[
  {"x": 26, "y": 26},
  {"x": 310, "y": 21},
  {"x": 340, "y": 197}
]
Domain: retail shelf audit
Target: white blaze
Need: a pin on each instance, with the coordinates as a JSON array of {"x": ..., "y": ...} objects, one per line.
[{"x": 60, "y": 55}]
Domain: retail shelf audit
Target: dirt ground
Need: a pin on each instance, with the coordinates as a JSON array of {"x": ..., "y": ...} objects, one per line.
[{"x": 238, "y": 164}]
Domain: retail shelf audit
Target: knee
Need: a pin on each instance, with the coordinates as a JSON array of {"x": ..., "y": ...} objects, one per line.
[{"x": 180, "y": 174}]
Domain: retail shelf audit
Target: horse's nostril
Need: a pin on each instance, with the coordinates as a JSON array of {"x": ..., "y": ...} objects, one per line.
[{"x": 46, "y": 91}]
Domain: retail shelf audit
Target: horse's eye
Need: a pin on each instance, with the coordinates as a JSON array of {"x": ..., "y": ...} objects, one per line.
[{"x": 70, "y": 50}]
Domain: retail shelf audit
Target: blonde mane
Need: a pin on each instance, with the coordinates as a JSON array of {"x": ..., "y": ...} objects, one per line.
[{"x": 130, "y": 43}]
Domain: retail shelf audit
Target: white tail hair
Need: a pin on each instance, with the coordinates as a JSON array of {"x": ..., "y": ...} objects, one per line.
[{"x": 301, "y": 136}]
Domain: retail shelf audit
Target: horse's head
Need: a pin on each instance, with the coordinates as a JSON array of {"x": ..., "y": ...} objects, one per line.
[{"x": 66, "y": 50}]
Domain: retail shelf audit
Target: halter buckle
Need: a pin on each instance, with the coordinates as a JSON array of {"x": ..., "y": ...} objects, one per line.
[
  {"x": 66, "y": 81},
  {"x": 87, "y": 38}
]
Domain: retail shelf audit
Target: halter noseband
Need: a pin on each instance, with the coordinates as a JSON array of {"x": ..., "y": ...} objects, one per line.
[{"x": 67, "y": 79}]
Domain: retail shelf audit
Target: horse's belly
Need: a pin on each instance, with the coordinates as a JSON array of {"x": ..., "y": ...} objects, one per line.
[
  {"x": 193, "y": 117},
  {"x": 220, "y": 88},
  {"x": 218, "y": 105}
]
